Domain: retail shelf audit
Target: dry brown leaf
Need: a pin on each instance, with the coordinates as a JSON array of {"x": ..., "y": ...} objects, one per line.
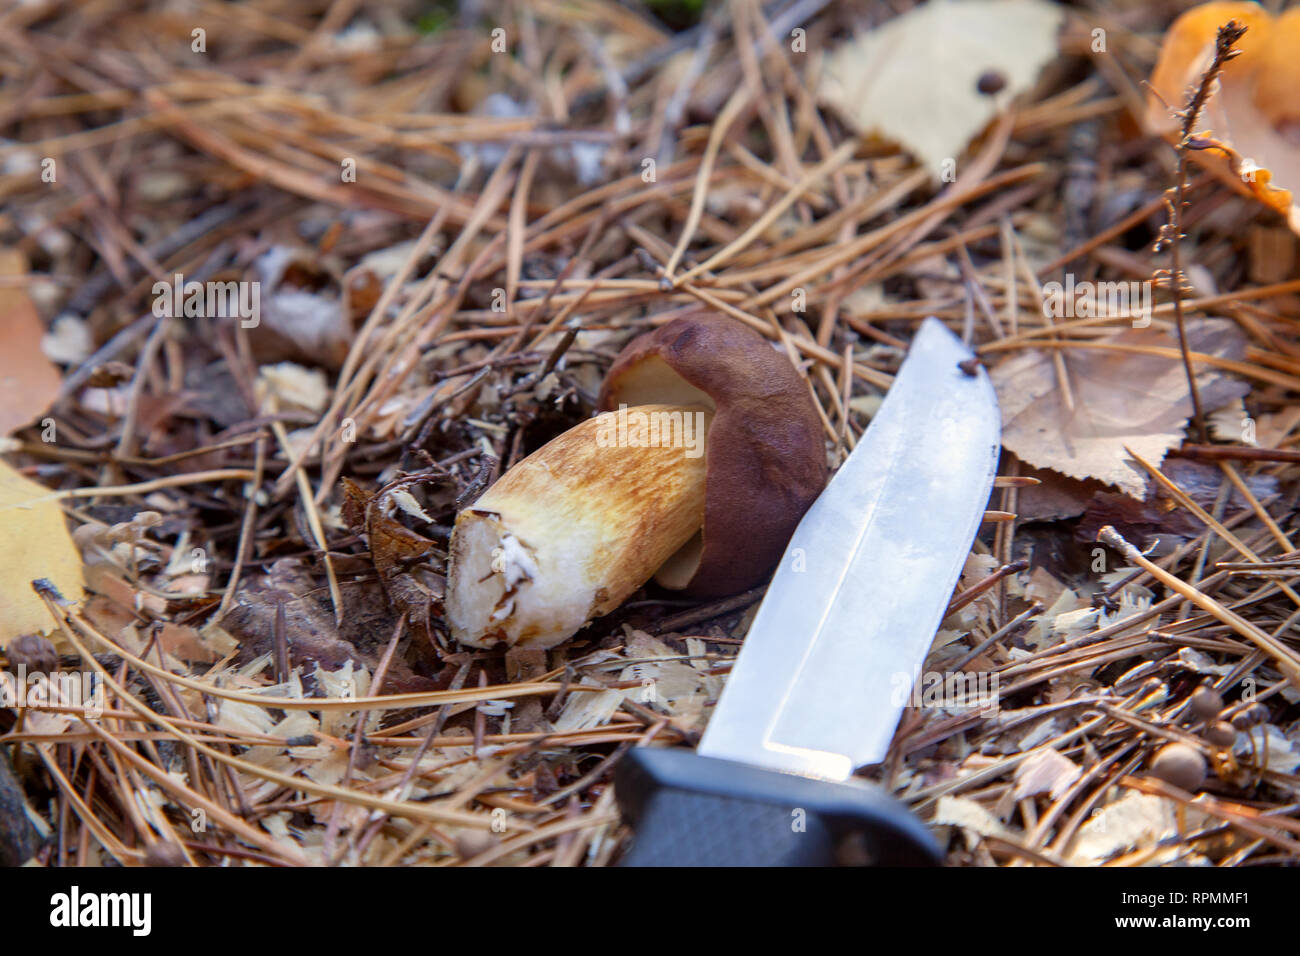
[
  {"x": 914, "y": 79},
  {"x": 1253, "y": 112},
  {"x": 1054, "y": 497},
  {"x": 29, "y": 382},
  {"x": 286, "y": 605},
  {"x": 1044, "y": 771},
  {"x": 1132, "y": 821},
  {"x": 34, "y": 543},
  {"x": 1120, "y": 399},
  {"x": 1154, "y": 521},
  {"x": 400, "y": 555},
  {"x": 301, "y": 315},
  {"x": 972, "y": 817}
]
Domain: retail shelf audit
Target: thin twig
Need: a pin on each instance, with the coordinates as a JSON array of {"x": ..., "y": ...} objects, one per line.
[{"x": 1171, "y": 233}]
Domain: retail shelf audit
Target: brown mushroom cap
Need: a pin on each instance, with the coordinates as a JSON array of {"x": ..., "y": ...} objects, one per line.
[
  {"x": 765, "y": 457},
  {"x": 1221, "y": 734},
  {"x": 1206, "y": 702},
  {"x": 1179, "y": 764}
]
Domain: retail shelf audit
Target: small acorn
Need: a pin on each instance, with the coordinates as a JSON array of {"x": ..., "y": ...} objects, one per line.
[
  {"x": 1180, "y": 765},
  {"x": 1206, "y": 702}
]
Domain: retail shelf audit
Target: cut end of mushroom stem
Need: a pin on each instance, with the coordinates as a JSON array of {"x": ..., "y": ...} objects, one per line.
[{"x": 573, "y": 529}]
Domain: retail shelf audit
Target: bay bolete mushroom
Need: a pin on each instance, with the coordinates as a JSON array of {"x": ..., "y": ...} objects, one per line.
[{"x": 708, "y": 452}]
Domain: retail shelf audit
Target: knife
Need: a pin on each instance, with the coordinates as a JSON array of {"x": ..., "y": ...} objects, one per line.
[{"x": 848, "y": 619}]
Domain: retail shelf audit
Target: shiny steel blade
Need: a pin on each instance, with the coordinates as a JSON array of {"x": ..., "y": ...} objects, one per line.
[{"x": 853, "y": 608}]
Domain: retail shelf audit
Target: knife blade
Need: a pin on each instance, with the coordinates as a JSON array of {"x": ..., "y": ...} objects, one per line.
[{"x": 846, "y": 624}]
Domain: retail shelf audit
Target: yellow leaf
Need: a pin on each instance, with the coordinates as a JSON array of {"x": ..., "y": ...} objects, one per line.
[
  {"x": 915, "y": 79},
  {"x": 34, "y": 543}
]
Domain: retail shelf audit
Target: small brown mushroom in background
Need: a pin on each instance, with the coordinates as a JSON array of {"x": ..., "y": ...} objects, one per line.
[
  {"x": 1179, "y": 764},
  {"x": 708, "y": 453},
  {"x": 165, "y": 855},
  {"x": 1206, "y": 702},
  {"x": 1221, "y": 734},
  {"x": 473, "y": 842},
  {"x": 34, "y": 653},
  {"x": 1249, "y": 716}
]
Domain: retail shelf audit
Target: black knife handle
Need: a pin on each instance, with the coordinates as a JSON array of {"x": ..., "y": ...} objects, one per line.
[{"x": 689, "y": 810}]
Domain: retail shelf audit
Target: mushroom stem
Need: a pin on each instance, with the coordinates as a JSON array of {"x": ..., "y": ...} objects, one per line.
[{"x": 573, "y": 529}]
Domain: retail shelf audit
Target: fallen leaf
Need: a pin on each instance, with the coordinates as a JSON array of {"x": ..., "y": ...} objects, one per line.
[
  {"x": 1283, "y": 754},
  {"x": 1120, "y": 399},
  {"x": 671, "y": 684},
  {"x": 1199, "y": 663},
  {"x": 34, "y": 543},
  {"x": 29, "y": 381},
  {"x": 914, "y": 80},
  {"x": 287, "y": 602},
  {"x": 1134, "y": 821},
  {"x": 289, "y": 385},
  {"x": 1251, "y": 119},
  {"x": 1054, "y": 497},
  {"x": 301, "y": 316},
  {"x": 1232, "y": 423},
  {"x": 1044, "y": 771},
  {"x": 965, "y": 813},
  {"x": 401, "y": 556},
  {"x": 585, "y": 711},
  {"x": 1157, "y": 517}
]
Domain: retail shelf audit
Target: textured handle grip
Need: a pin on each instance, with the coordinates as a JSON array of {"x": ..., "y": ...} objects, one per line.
[
  {"x": 690, "y": 810},
  {"x": 701, "y": 829}
]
